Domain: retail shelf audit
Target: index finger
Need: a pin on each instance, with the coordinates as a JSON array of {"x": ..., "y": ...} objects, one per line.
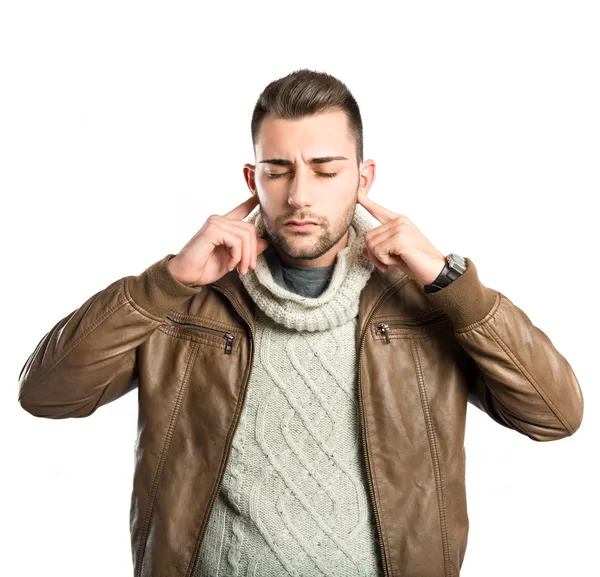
[
  {"x": 242, "y": 210},
  {"x": 382, "y": 214}
]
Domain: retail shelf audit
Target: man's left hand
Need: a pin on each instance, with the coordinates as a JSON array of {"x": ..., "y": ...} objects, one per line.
[{"x": 398, "y": 242}]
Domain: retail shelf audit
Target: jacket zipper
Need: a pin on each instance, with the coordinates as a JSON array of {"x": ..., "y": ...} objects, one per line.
[
  {"x": 229, "y": 337},
  {"x": 235, "y": 426},
  {"x": 362, "y": 426},
  {"x": 385, "y": 327}
]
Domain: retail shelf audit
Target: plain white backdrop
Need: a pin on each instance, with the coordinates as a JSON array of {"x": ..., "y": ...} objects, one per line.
[{"x": 124, "y": 125}]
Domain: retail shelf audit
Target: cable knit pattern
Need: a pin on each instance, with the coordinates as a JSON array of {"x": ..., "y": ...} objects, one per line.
[{"x": 294, "y": 498}]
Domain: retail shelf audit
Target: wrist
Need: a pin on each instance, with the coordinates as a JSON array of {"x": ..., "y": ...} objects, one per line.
[
  {"x": 434, "y": 285},
  {"x": 454, "y": 267},
  {"x": 172, "y": 266}
]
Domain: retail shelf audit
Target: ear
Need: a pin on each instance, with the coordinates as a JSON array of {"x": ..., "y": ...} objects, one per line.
[
  {"x": 367, "y": 176},
  {"x": 249, "y": 174}
]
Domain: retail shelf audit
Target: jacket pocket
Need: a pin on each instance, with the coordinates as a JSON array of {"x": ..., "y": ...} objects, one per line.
[
  {"x": 189, "y": 325},
  {"x": 408, "y": 327}
]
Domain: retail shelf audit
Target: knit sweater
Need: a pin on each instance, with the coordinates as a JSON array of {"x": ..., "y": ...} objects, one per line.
[{"x": 294, "y": 498}]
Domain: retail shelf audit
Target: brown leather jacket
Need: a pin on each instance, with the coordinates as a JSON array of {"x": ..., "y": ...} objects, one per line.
[{"x": 421, "y": 357}]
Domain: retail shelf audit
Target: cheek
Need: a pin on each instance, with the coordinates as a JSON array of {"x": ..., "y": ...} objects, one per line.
[
  {"x": 347, "y": 184},
  {"x": 273, "y": 188}
]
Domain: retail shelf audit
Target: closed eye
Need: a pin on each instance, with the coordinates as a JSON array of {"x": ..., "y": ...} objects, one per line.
[{"x": 324, "y": 174}]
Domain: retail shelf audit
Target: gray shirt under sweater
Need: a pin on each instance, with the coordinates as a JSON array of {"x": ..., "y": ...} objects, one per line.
[{"x": 304, "y": 280}]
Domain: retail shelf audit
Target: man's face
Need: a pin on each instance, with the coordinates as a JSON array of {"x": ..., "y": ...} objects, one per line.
[{"x": 291, "y": 178}]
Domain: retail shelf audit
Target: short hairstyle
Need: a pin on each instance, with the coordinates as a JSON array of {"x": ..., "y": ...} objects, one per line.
[{"x": 303, "y": 93}]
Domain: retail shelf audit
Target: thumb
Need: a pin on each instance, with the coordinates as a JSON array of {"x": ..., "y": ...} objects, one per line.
[{"x": 261, "y": 245}]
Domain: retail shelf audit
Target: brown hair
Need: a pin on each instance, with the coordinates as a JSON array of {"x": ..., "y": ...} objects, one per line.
[{"x": 305, "y": 92}]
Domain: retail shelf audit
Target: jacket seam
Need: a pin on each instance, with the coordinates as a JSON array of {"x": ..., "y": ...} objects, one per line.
[
  {"x": 207, "y": 322},
  {"x": 141, "y": 548},
  {"x": 59, "y": 359},
  {"x": 489, "y": 315},
  {"x": 435, "y": 458},
  {"x": 137, "y": 307},
  {"x": 555, "y": 410},
  {"x": 381, "y": 512},
  {"x": 387, "y": 559}
]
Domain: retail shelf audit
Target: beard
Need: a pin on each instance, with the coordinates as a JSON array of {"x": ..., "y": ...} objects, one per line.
[{"x": 311, "y": 244}]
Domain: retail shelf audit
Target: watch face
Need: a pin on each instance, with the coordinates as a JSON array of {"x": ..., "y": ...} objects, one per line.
[{"x": 457, "y": 262}]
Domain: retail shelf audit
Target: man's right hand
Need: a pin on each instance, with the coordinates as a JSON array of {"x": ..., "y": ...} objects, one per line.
[{"x": 222, "y": 243}]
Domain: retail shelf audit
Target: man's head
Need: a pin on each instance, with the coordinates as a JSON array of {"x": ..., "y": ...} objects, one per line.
[{"x": 308, "y": 140}]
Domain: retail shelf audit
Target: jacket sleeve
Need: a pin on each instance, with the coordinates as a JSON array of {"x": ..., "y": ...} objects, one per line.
[
  {"x": 88, "y": 359},
  {"x": 519, "y": 378}
]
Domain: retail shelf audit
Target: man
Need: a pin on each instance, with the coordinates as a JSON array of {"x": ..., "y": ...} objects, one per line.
[{"x": 304, "y": 414}]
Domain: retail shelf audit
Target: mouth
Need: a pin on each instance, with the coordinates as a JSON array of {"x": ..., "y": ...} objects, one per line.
[{"x": 300, "y": 225}]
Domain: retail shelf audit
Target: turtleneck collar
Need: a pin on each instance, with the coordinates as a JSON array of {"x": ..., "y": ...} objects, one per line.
[{"x": 340, "y": 300}]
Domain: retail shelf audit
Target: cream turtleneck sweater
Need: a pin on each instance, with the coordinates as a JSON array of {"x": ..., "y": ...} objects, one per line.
[{"x": 294, "y": 496}]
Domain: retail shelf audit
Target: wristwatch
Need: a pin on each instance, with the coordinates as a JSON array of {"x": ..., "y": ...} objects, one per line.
[{"x": 454, "y": 267}]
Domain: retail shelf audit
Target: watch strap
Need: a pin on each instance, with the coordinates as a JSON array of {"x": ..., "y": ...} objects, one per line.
[{"x": 447, "y": 274}]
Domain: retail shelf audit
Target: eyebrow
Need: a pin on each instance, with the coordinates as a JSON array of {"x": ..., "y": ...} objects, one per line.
[{"x": 316, "y": 160}]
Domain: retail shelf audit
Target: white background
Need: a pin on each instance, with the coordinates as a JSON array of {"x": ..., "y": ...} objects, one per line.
[{"x": 124, "y": 125}]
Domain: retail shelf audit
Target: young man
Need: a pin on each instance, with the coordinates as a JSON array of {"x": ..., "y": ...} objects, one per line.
[{"x": 305, "y": 413}]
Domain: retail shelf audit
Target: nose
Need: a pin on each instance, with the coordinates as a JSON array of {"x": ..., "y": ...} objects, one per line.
[{"x": 300, "y": 194}]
